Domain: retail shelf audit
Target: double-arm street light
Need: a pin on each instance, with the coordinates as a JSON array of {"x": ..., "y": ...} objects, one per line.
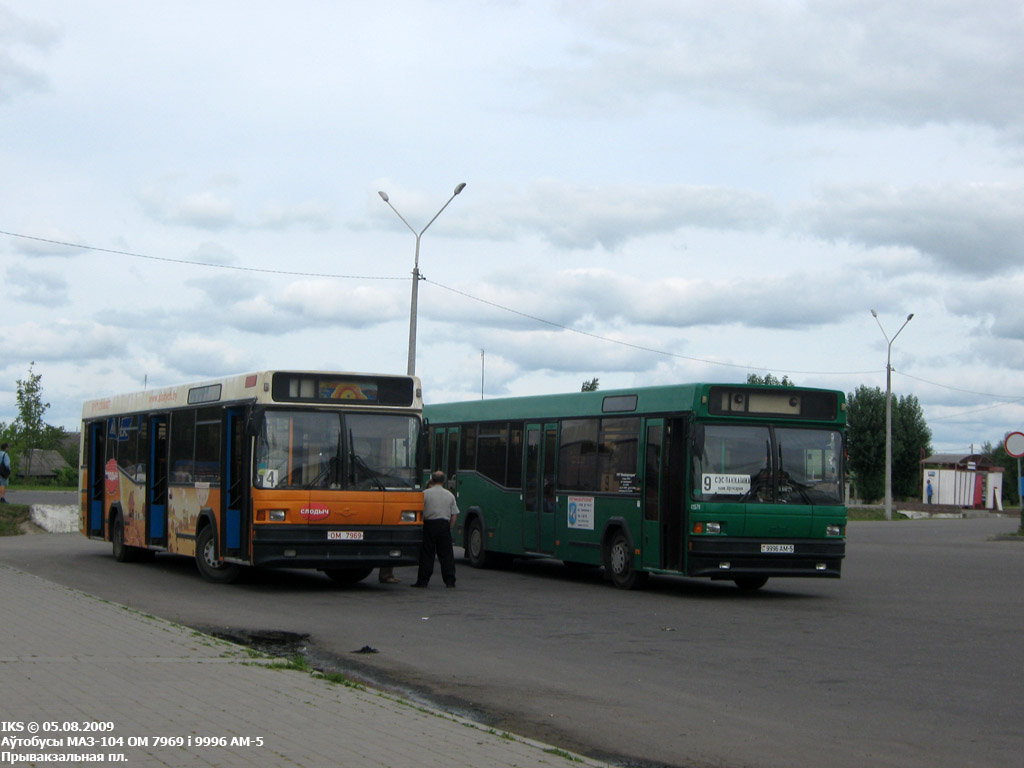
[
  {"x": 416, "y": 271},
  {"x": 888, "y": 411}
]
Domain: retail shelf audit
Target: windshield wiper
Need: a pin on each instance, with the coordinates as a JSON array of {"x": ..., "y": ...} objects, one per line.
[{"x": 358, "y": 462}]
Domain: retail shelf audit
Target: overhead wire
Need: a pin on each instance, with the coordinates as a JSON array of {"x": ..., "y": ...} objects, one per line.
[
  {"x": 1010, "y": 398},
  {"x": 637, "y": 346},
  {"x": 211, "y": 265}
]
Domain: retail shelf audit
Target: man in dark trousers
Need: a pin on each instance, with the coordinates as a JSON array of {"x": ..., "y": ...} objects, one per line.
[{"x": 439, "y": 514}]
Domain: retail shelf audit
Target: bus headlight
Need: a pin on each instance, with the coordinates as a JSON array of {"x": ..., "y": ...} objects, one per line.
[
  {"x": 707, "y": 527},
  {"x": 833, "y": 530},
  {"x": 276, "y": 515},
  {"x": 409, "y": 515}
]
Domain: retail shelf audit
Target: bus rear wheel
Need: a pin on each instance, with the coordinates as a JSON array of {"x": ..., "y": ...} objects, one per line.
[
  {"x": 347, "y": 576},
  {"x": 618, "y": 562},
  {"x": 210, "y": 566}
]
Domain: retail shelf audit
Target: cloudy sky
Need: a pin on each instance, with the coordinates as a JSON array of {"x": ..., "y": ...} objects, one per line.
[{"x": 656, "y": 191}]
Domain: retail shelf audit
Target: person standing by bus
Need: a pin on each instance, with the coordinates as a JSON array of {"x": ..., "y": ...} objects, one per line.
[
  {"x": 5, "y": 471},
  {"x": 440, "y": 512}
]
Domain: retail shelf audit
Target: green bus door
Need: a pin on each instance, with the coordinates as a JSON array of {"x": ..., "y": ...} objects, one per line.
[
  {"x": 652, "y": 494},
  {"x": 445, "y": 454},
  {"x": 664, "y": 524},
  {"x": 541, "y": 447}
]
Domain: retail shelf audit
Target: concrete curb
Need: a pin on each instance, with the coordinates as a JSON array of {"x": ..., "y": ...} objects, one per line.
[{"x": 54, "y": 518}]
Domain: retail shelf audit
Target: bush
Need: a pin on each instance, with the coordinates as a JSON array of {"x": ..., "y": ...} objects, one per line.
[{"x": 67, "y": 476}]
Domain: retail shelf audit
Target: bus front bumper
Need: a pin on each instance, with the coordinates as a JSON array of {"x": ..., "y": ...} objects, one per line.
[
  {"x": 727, "y": 558},
  {"x": 309, "y": 546}
]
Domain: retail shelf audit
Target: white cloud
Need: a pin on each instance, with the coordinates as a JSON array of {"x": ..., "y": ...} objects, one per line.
[
  {"x": 735, "y": 184},
  {"x": 200, "y": 357},
  {"x": 859, "y": 61},
  {"x": 964, "y": 228}
]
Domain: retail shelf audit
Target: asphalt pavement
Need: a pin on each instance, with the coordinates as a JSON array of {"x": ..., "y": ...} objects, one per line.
[{"x": 86, "y": 680}]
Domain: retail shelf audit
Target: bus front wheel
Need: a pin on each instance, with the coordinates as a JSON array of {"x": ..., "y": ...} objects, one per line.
[
  {"x": 476, "y": 547},
  {"x": 211, "y": 567},
  {"x": 618, "y": 561}
]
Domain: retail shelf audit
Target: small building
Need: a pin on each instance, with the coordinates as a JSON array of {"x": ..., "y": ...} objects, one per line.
[
  {"x": 36, "y": 464},
  {"x": 968, "y": 481}
]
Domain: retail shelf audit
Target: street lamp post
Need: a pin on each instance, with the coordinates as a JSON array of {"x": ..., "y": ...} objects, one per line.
[
  {"x": 888, "y": 411},
  {"x": 416, "y": 271}
]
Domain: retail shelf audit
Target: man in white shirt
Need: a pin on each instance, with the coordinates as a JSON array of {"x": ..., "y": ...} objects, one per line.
[{"x": 440, "y": 512}]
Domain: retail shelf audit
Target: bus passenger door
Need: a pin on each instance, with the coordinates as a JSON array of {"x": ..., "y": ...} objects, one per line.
[
  {"x": 445, "y": 453},
  {"x": 156, "y": 482},
  {"x": 541, "y": 446},
  {"x": 652, "y": 494},
  {"x": 235, "y": 513},
  {"x": 96, "y": 450},
  {"x": 675, "y": 472}
]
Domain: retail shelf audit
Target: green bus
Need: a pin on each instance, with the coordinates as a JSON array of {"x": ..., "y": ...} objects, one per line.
[{"x": 728, "y": 481}]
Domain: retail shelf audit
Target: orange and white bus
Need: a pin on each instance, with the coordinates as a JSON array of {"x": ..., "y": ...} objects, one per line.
[{"x": 279, "y": 469}]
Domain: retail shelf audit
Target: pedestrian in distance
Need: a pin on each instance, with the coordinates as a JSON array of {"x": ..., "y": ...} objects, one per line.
[
  {"x": 929, "y": 484},
  {"x": 5, "y": 471},
  {"x": 440, "y": 512}
]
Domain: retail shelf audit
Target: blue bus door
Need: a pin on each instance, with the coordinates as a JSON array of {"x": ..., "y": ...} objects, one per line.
[
  {"x": 156, "y": 482},
  {"x": 235, "y": 514},
  {"x": 95, "y": 446}
]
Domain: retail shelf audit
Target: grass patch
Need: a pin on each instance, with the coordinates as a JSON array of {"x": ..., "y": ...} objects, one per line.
[
  {"x": 299, "y": 663},
  {"x": 11, "y": 518}
]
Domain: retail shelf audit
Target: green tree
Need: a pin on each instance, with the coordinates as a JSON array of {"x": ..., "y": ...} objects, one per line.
[
  {"x": 911, "y": 442},
  {"x": 865, "y": 442},
  {"x": 769, "y": 380},
  {"x": 29, "y": 431},
  {"x": 590, "y": 386}
]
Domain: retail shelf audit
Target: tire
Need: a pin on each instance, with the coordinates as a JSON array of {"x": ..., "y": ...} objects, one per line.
[
  {"x": 476, "y": 544},
  {"x": 121, "y": 552},
  {"x": 618, "y": 560},
  {"x": 208, "y": 561},
  {"x": 750, "y": 583},
  {"x": 347, "y": 576}
]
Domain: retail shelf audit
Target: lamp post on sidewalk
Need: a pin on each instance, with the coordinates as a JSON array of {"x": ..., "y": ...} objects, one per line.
[
  {"x": 888, "y": 411},
  {"x": 416, "y": 271}
]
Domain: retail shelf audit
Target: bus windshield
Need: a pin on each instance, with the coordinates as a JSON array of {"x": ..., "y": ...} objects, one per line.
[
  {"x": 768, "y": 465},
  {"x": 312, "y": 449}
]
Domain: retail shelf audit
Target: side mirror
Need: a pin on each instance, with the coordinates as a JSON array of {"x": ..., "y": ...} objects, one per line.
[
  {"x": 697, "y": 440},
  {"x": 254, "y": 420}
]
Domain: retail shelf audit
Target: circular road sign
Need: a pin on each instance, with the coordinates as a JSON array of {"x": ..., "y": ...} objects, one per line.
[{"x": 1014, "y": 444}]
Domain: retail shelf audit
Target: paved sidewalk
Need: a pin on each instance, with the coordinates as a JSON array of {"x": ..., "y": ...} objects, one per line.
[{"x": 160, "y": 691}]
